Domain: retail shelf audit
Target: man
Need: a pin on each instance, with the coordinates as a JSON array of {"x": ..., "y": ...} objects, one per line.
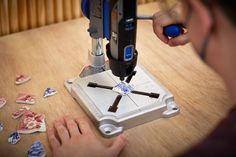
[{"x": 211, "y": 29}]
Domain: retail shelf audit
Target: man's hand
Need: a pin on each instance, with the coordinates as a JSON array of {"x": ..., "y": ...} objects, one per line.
[
  {"x": 76, "y": 139},
  {"x": 162, "y": 19}
]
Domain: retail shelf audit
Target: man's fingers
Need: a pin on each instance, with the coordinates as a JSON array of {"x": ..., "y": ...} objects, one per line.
[
  {"x": 72, "y": 126},
  {"x": 54, "y": 143},
  {"x": 160, "y": 20},
  {"x": 158, "y": 30},
  {"x": 84, "y": 126},
  {"x": 62, "y": 131},
  {"x": 118, "y": 144},
  {"x": 180, "y": 40}
]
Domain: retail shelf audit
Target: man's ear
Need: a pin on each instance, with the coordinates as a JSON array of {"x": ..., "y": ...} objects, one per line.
[{"x": 203, "y": 15}]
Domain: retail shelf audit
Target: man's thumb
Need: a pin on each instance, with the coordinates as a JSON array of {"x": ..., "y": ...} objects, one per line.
[{"x": 118, "y": 144}]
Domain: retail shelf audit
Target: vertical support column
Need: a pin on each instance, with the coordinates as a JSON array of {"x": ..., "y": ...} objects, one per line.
[
  {"x": 96, "y": 56},
  {"x": 97, "y": 47}
]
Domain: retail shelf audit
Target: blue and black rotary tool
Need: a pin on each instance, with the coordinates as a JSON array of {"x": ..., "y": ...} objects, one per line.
[{"x": 116, "y": 20}]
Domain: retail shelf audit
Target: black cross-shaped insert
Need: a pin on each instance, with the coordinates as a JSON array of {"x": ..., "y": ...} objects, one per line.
[{"x": 114, "y": 106}]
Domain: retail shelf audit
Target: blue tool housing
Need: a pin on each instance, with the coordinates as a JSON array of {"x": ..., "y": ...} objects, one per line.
[
  {"x": 106, "y": 19},
  {"x": 85, "y": 8}
]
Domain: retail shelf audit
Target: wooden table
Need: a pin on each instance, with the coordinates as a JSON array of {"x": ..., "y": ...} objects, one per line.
[{"x": 55, "y": 53}]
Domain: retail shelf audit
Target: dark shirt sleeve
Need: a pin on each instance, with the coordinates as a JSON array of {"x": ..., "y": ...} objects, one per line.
[{"x": 220, "y": 143}]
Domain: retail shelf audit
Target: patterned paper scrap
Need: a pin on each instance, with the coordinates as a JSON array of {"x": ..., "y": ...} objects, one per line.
[
  {"x": 49, "y": 92},
  {"x": 14, "y": 138},
  {"x": 123, "y": 88},
  {"x": 2, "y": 102},
  {"x": 31, "y": 122},
  {"x": 36, "y": 150},
  {"x": 24, "y": 98},
  {"x": 20, "y": 79},
  {"x": 20, "y": 112}
]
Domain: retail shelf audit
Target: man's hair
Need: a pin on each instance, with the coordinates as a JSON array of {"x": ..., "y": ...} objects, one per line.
[{"x": 227, "y": 6}]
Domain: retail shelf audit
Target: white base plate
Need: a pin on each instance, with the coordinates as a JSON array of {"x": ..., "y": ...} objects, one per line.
[{"x": 132, "y": 110}]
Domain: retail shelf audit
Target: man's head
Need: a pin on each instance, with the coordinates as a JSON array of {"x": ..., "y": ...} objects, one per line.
[
  {"x": 211, "y": 28},
  {"x": 212, "y": 31},
  {"x": 202, "y": 19}
]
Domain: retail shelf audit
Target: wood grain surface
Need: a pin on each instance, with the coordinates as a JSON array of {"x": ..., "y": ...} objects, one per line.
[{"x": 55, "y": 53}]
